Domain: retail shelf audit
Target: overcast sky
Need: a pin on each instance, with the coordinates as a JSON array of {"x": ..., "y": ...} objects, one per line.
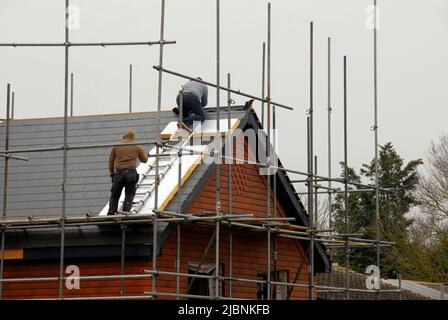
[{"x": 413, "y": 66}]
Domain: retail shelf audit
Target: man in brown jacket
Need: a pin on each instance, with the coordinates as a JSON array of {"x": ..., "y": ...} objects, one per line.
[{"x": 122, "y": 167}]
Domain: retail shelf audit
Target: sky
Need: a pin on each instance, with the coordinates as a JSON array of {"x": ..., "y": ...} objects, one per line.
[{"x": 412, "y": 64}]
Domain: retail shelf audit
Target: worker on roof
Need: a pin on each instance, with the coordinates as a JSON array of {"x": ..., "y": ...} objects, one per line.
[
  {"x": 195, "y": 99},
  {"x": 122, "y": 167}
]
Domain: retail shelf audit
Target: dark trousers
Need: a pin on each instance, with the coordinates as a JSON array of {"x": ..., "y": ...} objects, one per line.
[
  {"x": 124, "y": 178},
  {"x": 192, "y": 109}
]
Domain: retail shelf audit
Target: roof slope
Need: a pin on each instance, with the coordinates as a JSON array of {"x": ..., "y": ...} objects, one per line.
[{"x": 34, "y": 187}]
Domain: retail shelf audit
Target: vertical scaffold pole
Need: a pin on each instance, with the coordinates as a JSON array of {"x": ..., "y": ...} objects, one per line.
[
  {"x": 274, "y": 187},
  {"x": 231, "y": 155},
  {"x": 263, "y": 82},
  {"x": 310, "y": 164},
  {"x": 123, "y": 258},
  {"x": 330, "y": 109},
  {"x": 71, "y": 94},
  {"x": 179, "y": 186},
  {"x": 316, "y": 218},
  {"x": 13, "y": 102},
  {"x": 268, "y": 150},
  {"x": 377, "y": 193},
  {"x": 5, "y": 187},
  {"x": 310, "y": 217},
  {"x": 130, "y": 88},
  {"x": 64, "y": 170},
  {"x": 157, "y": 178},
  {"x": 347, "y": 228},
  {"x": 316, "y": 191},
  {"x": 229, "y": 128},
  {"x": 330, "y": 198},
  {"x": 219, "y": 147}
]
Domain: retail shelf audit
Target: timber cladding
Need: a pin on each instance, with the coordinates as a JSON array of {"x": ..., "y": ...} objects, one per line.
[{"x": 248, "y": 260}]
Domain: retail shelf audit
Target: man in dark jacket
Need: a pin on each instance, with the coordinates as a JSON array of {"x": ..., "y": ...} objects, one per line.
[
  {"x": 122, "y": 167},
  {"x": 195, "y": 99}
]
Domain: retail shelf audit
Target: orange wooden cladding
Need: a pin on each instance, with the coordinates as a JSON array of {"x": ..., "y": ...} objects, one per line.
[
  {"x": 13, "y": 254},
  {"x": 249, "y": 251}
]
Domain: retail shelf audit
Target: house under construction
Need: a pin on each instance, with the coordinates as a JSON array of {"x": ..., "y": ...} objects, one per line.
[
  {"x": 98, "y": 245},
  {"x": 197, "y": 229}
]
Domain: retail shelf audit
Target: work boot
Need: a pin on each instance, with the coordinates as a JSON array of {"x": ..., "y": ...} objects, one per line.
[{"x": 182, "y": 125}]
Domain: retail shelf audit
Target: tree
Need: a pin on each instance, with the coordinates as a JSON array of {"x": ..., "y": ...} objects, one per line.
[
  {"x": 401, "y": 181},
  {"x": 420, "y": 258},
  {"x": 433, "y": 190},
  {"x": 426, "y": 257}
]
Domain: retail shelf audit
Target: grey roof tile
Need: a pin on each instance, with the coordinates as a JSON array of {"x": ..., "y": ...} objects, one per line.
[{"x": 34, "y": 186}]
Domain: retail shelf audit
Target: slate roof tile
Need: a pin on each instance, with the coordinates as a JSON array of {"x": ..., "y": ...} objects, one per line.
[{"x": 34, "y": 186}]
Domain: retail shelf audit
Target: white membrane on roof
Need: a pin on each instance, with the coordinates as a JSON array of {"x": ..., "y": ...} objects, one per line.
[
  {"x": 207, "y": 127},
  {"x": 169, "y": 182}
]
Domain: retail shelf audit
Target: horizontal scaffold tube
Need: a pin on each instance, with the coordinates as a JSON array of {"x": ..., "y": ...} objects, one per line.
[
  {"x": 244, "y": 161},
  {"x": 85, "y": 44},
  {"x": 75, "y": 147},
  {"x": 237, "y": 92},
  {"x": 150, "y": 273}
]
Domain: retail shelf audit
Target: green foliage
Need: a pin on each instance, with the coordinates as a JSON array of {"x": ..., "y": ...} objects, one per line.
[
  {"x": 401, "y": 181},
  {"x": 420, "y": 259}
]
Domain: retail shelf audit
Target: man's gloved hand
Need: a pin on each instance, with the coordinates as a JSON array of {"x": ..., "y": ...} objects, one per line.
[{"x": 112, "y": 175}]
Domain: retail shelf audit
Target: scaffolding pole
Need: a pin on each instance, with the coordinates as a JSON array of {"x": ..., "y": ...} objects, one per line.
[
  {"x": 5, "y": 187},
  {"x": 178, "y": 261},
  {"x": 230, "y": 210},
  {"x": 316, "y": 189},
  {"x": 123, "y": 258},
  {"x": 237, "y": 221},
  {"x": 264, "y": 165},
  {"x": 268, "y": 150},
  {"x": 347, "y": 229},
  {"x": 157, "y": 178},
  {"x": 219, "y": 147},
  {"x": 310, "y": 163},
  {"x": 68, "y": 44},
  {"x": 13, "y": 99},
  {"x": 263, "y": 84},
  {"x": 72, "y": 147},
  {"x": 64, "y": 152},
  {"x": 377, "y": 193},
  {"x": 130, "y": 88},
  {"x": 274, "y": 187},
  {"x": 71, "y": 94},
  {"x": 297, "y": 275},
  {"x": 179, "y": 185},
  {"x": 201, "y": 262},
  {"x": 237, "y": 92},
  {"x": 330, "y": 196}
]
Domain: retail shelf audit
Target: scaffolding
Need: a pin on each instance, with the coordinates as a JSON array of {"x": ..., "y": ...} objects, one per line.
[{"x": 272, "y": 225}]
